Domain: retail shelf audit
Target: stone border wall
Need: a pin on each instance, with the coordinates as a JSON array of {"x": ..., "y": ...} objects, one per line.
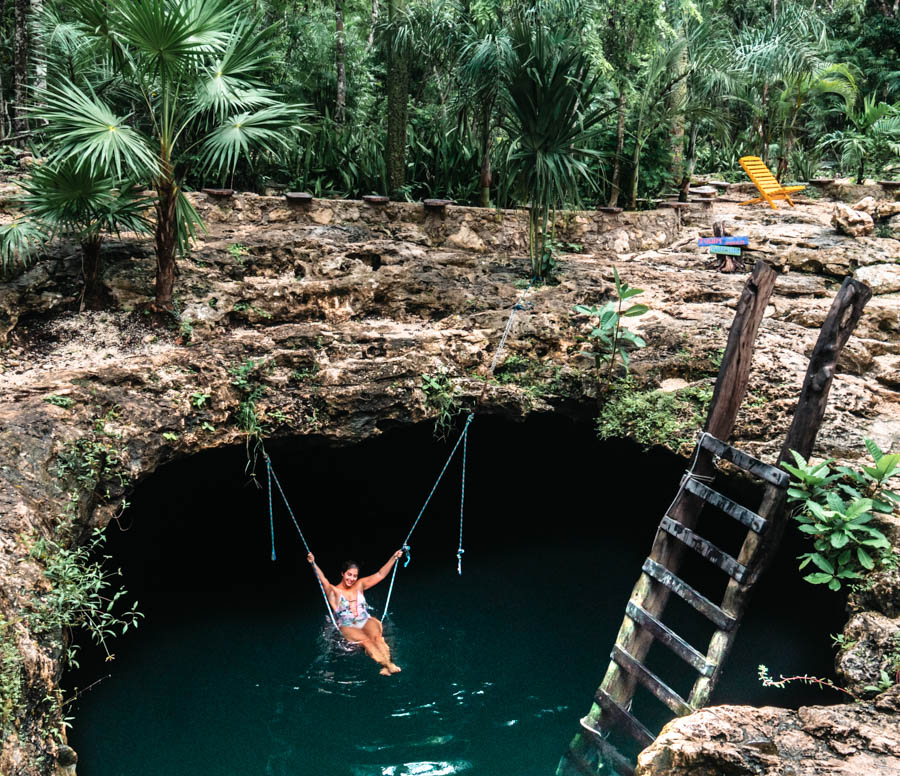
[{"x": 468, "y": 228}]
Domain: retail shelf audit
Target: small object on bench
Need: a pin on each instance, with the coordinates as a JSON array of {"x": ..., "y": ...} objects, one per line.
[
  {"x": 437, "y": 205},
  {"x": 611, "y": 210},
  {"x": 300, "y": 197},
  {"x": 219, "y": 193},
  {"x": 376, "y": 199}
]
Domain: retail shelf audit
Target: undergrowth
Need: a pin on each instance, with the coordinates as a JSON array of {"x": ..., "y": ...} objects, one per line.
[{"x": 668, "y": 419}]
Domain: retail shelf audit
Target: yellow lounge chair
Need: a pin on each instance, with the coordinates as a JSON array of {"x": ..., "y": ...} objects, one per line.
[{"x": 768, "y": 186}]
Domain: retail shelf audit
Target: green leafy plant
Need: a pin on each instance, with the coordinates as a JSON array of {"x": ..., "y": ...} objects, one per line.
[
  {"x": 237, "y": 251},
  {"x": 835, "y": 508},
  {"x": 609, "y": 337},
  {"x": 667, "y": 419},
  {"x": 80, "y": 595},
  {"x": 11, "y": 673},
  {"x": 199, "y": 399},
  {"x": 59, "y": 401},
  {"x": 441, "y": 396}
]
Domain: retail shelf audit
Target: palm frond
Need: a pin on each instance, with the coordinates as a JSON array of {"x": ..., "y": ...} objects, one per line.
[
  {"x": 83, "y": 126},
  {"x": 263, "y": 129}
]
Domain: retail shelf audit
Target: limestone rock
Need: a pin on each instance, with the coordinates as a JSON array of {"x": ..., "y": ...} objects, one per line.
[
  {"x": 854, "y": 223},
  {"x": 867, "y": 205},
  {"x": 812, "y": 741},
  {"x": 871, "y": 639},
  {"x": 881, "y": 593},
  {"x": 892, "y": 228},
  {"x": 881, "y": 278},
  {"x": 467, "y": 239}
]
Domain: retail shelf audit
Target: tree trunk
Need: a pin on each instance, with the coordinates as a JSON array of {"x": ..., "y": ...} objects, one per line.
[
  {"x": 371, "y": 39},
  {"x": 38, "y": 49},
  {"x": 92, "y": 270},
  {"x": 397, "y": 96},
  {"x": 167, "y": 196},
  {"x": 679, "y": 96},
  {"x": 20, "y": 71},
  {"x": 484, "y": 179},
  {"x": 620, "y": 149},
  {"x": 340, "y": 106}
]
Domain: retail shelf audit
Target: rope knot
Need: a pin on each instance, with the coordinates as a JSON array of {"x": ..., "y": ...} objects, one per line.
[{"x": 406, "y": 549}]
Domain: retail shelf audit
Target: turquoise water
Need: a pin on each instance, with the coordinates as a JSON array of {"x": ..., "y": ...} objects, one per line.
[{"x": 236, "y": 671}]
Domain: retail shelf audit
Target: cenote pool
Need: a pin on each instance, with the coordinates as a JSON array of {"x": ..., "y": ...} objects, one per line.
[{"x": 235, "y": 671}]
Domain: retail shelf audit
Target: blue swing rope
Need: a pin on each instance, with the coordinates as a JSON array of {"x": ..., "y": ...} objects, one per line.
[
  {"x": 463, "y": 437},
  {"x": 406, "y": 547},
  {"x": 271, "y": 476}
]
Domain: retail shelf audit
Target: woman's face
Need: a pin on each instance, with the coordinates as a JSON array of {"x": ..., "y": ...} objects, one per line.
[{"x": 350, "y": 576}]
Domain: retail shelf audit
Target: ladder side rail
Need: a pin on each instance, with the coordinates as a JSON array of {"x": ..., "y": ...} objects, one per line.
[
  {"x": 758, "y": 551},
  {"x": 728, "y": 394}
]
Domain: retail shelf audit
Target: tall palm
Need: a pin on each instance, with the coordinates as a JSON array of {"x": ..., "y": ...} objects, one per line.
[
  {"x": 194, "y": 70},
  {"x": 552, "y": 118},
  {"x": 485, "y": 47}
]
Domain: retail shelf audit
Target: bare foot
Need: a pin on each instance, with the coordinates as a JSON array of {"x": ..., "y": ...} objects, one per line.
[
  {"x": 394, "y": 668},
  {"x": 384, "y": 672}
]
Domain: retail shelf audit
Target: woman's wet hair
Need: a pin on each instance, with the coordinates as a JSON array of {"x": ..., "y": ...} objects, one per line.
[{"x": 347, "y": 565}]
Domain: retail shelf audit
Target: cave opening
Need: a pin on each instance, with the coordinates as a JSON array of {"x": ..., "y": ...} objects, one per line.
[{"x": 234, "y": 669}]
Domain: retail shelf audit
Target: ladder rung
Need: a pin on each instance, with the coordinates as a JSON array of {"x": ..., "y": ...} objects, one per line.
[
  {"x": 681, "y": 588},
  {"x": 651, "y": 681},
  {"x": 746, "y": 462},
  {"x": 671, "y": 639},
  {"x": 624, "y": 719},
  {"x": 731, "y": 508},
  {"x": 608, "y": 753},
  {"x": 707, "y": 549}
]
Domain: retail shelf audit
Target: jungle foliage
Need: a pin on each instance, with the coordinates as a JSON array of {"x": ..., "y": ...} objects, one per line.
[{"x": 545, "y": 103}]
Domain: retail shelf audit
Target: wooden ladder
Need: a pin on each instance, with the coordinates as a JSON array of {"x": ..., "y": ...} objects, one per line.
[{"x": 590, "y": 752}]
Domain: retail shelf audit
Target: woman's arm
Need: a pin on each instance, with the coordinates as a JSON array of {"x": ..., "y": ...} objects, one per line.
[
  {"x": 329, "y": 589},
  {"x": 375, "y": 578}
]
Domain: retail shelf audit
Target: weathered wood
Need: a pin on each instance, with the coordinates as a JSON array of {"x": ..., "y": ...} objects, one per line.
[
  {"x": 298, "y": 197},
  {"x": 651, "y": 681},
  {"x": 665, "y": 635},
  {"x": 684, "y": 591},
  {"x": 743, "y": 461},
  {"x": 376, "y": 199},
  {"x": 731, "y": 508},
  {"x": 757, "y": 551},
  {"x": 731, "y": 385},
  {"x": 624, "y": 719},
  {"x": 577, "y": 762},
  {"x": 705, "y": 548},
  {"x": 611, "y": 757}
]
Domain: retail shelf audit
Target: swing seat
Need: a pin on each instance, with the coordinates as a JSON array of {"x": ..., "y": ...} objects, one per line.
[{"x": 767, "y": 184}]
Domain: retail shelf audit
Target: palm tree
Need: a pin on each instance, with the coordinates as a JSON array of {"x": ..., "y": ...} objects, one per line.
[
  {"x": 872, "y": 138},
  {"x": 193, "y": 69},
  {"x": 551, "y": 118},
  {"x": 484, "y": 50},
  {"x": 65, "y": 199}
]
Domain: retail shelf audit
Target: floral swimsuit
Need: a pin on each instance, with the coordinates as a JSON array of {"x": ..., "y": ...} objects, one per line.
[{"x": 346, "y": 617}]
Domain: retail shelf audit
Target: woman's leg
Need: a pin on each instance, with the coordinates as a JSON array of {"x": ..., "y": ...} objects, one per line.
[
  {"x": 373, "y": 650},
  {"x": 375, "y": 631}
]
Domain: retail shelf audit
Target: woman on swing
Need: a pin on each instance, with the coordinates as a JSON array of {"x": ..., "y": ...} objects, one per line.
[{"x": 351, "y": 613}]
